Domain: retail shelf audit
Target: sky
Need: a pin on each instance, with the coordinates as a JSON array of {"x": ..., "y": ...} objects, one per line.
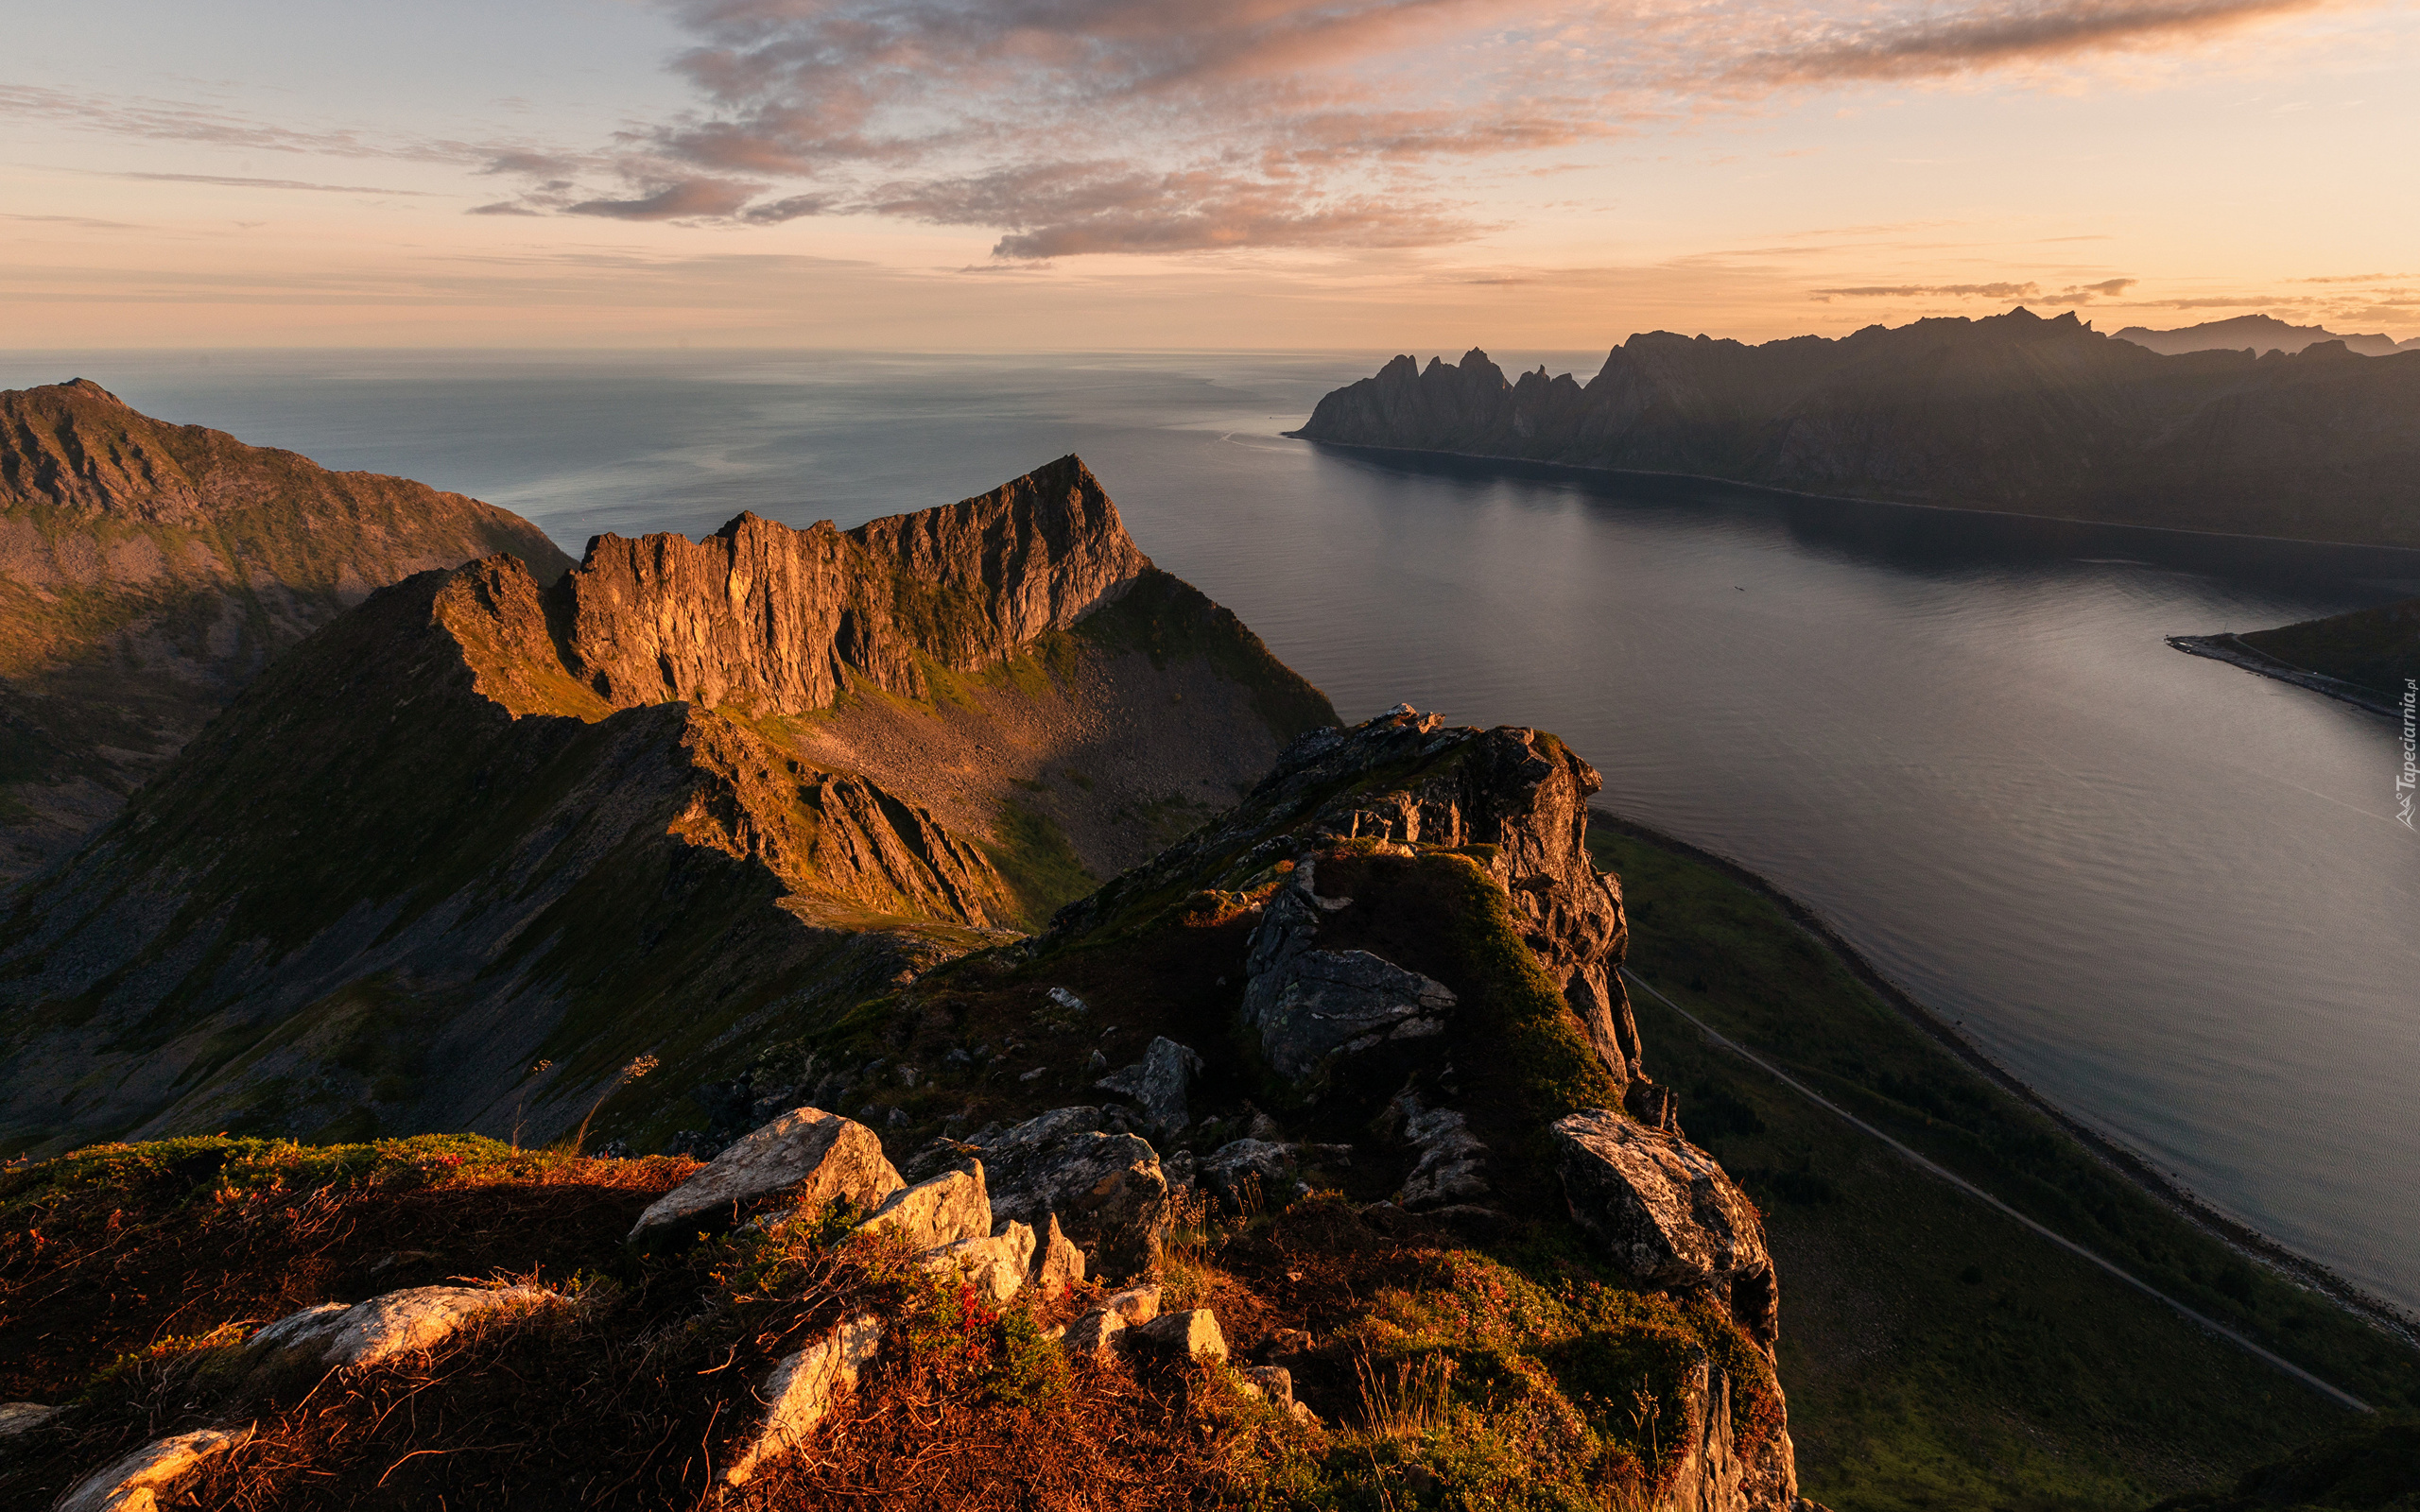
[{"x": 1094, "y": 175}]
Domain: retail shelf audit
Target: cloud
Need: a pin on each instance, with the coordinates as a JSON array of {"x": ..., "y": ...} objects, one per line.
[
  {"x": 1063, "y": 210},
  {"x": 2073, "y": 294},
  {"x": 232, "y": 182},
  {"x": 684, "y": 199},
  {"x": 1910, "y": 291},
  {"x": 1932, "y": 42},
  {"x": 1077, "y": 127}
]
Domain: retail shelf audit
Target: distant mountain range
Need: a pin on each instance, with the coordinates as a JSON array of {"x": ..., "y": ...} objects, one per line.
[
  {"x": 2258, "y": 333},
  {"x": 2012, "y": 413},
  {"x": 147, "y": 570}
]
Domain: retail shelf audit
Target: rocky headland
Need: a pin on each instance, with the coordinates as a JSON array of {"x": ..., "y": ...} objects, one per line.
[
  {"x": 148, "y": 571},
  {"x": 2368, "y": 658},
  {"x": 2011, "y": 412}
]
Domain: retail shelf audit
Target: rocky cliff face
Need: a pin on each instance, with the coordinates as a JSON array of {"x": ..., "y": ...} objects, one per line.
[
  {"x": 148, "y": 571},
  {"x": 2012, "y": 413},
  {"x": 450, "y": 836},
  {"x": 765, "y": 617}
]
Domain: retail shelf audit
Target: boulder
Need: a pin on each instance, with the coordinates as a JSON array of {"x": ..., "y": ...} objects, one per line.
[
  {"x": 997, "y": 1267},
  {"x": 802, "y": 1390},
  {"x": 1063, "y": 1163},
  {"x": 133, "y": 1483},
  {"x": 1312, "y": 1006},
  {"x": 1228, "y": 1169},
  {"x": 1452, "y": 1169},
  {"x": 24, "y": 1416},
  {"x": 340, "y": 1337},
  {"x": 1666, "y": 1213},
  {"x": 1225, "y": 1169},
  {"x": 1058, "y": 1266},
  {"x": 1181, "y": 1334},
  {"x": 808, "y": 1157},
  {"x": 949, "y": 1208},
  {"x": 1158, "y": 1081},
  {"x": 1136, "y": 1304},
  {"x": 1095, "y": 1336},
  {"x": 1273, "y": 1383}
]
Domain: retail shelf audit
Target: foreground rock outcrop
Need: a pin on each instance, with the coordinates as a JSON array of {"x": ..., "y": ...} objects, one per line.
[
  {"x": 806, "y": 1157},
  {"x": 2012, "y": 413}
]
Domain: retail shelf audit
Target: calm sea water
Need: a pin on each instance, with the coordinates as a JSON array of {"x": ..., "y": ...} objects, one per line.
[{"x": 2171, "y": 895}]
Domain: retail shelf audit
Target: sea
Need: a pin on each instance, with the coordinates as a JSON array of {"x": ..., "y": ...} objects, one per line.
[{"x": 2171, "y": 896}]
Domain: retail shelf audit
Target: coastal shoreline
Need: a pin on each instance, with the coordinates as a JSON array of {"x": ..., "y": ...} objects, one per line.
[
  {"x": 2232, "y": 649},
  {"x": 2162, "y": 1189},
  {"x": 1581, "y": 471}
]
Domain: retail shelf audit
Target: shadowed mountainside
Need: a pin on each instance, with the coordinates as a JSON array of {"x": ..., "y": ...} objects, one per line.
[
  {"x": 2011, "y": 412},
  {"x": 2256, "y": 332},
  {"x": 480, "y": 823},
  {"x": 2373, "y": 648},
  {"x": 147, "y": 570}
]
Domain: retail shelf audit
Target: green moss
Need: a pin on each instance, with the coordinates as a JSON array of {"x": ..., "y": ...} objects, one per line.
[{"x": 1032, "y": 855}]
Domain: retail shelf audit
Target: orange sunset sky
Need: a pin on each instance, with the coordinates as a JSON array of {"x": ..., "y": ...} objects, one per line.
[{"x": 945, "y": 175}]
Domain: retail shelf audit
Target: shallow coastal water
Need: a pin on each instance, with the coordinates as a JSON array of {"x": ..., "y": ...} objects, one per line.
[{"x": 2169, "y": 894}]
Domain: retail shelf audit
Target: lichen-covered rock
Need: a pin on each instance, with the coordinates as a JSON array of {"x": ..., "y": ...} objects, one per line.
[
  {"x": 1313, "y": 1005},
  {"x": 1193, "y": 1332},
  {"x": 997, "y": 1267},
  {"x": 1273, "y": 1383},
  {"x": 807, "y": 1156},
  {"x": 1095, "y": 1336},
  {"x": 23, "y": 1416},
  {"x": 1715, "y": 1470},
  {"x": 1233, "y": 1167},
  {"x": 1058, "y": 1266},
  {"x": 802, "y": 1390},
  {"x": 944, "y": 1210},
  {"x": 1452, "y": 1169},
  {"x": 1136, "y": 1304},
  {"x": 340, "y": 1337},
  {"x": 133, "y": 1484},
  {"x": 1667, "y": 1213},
  {"x": 1158, "y": 1081},
  {"x": 1063, "y": 1163}
]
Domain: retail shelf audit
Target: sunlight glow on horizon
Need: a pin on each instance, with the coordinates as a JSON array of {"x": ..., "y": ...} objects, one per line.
[{"x": 1370, "y": 174}]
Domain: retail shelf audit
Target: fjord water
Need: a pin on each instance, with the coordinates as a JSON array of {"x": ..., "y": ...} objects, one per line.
[{"x": 2171, "y": 895}]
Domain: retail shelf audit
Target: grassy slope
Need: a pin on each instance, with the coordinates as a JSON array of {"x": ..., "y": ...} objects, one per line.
[
  {"x": 1936, "y": 1354},
  {"x": 2374, "y": 648}
]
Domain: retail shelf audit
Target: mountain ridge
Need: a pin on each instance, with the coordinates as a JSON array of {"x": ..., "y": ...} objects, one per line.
[
  {"x": 2010, "y": 412},
  {"x": 425, "y": 836},
  {"x": 149, "y": 570}
]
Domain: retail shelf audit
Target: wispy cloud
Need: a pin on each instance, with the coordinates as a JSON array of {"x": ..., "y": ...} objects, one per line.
[
  {"x": 1992, "y": 35},
  {"x": 2072, "y": 295},
  {"x": 230, "y": 181}
]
